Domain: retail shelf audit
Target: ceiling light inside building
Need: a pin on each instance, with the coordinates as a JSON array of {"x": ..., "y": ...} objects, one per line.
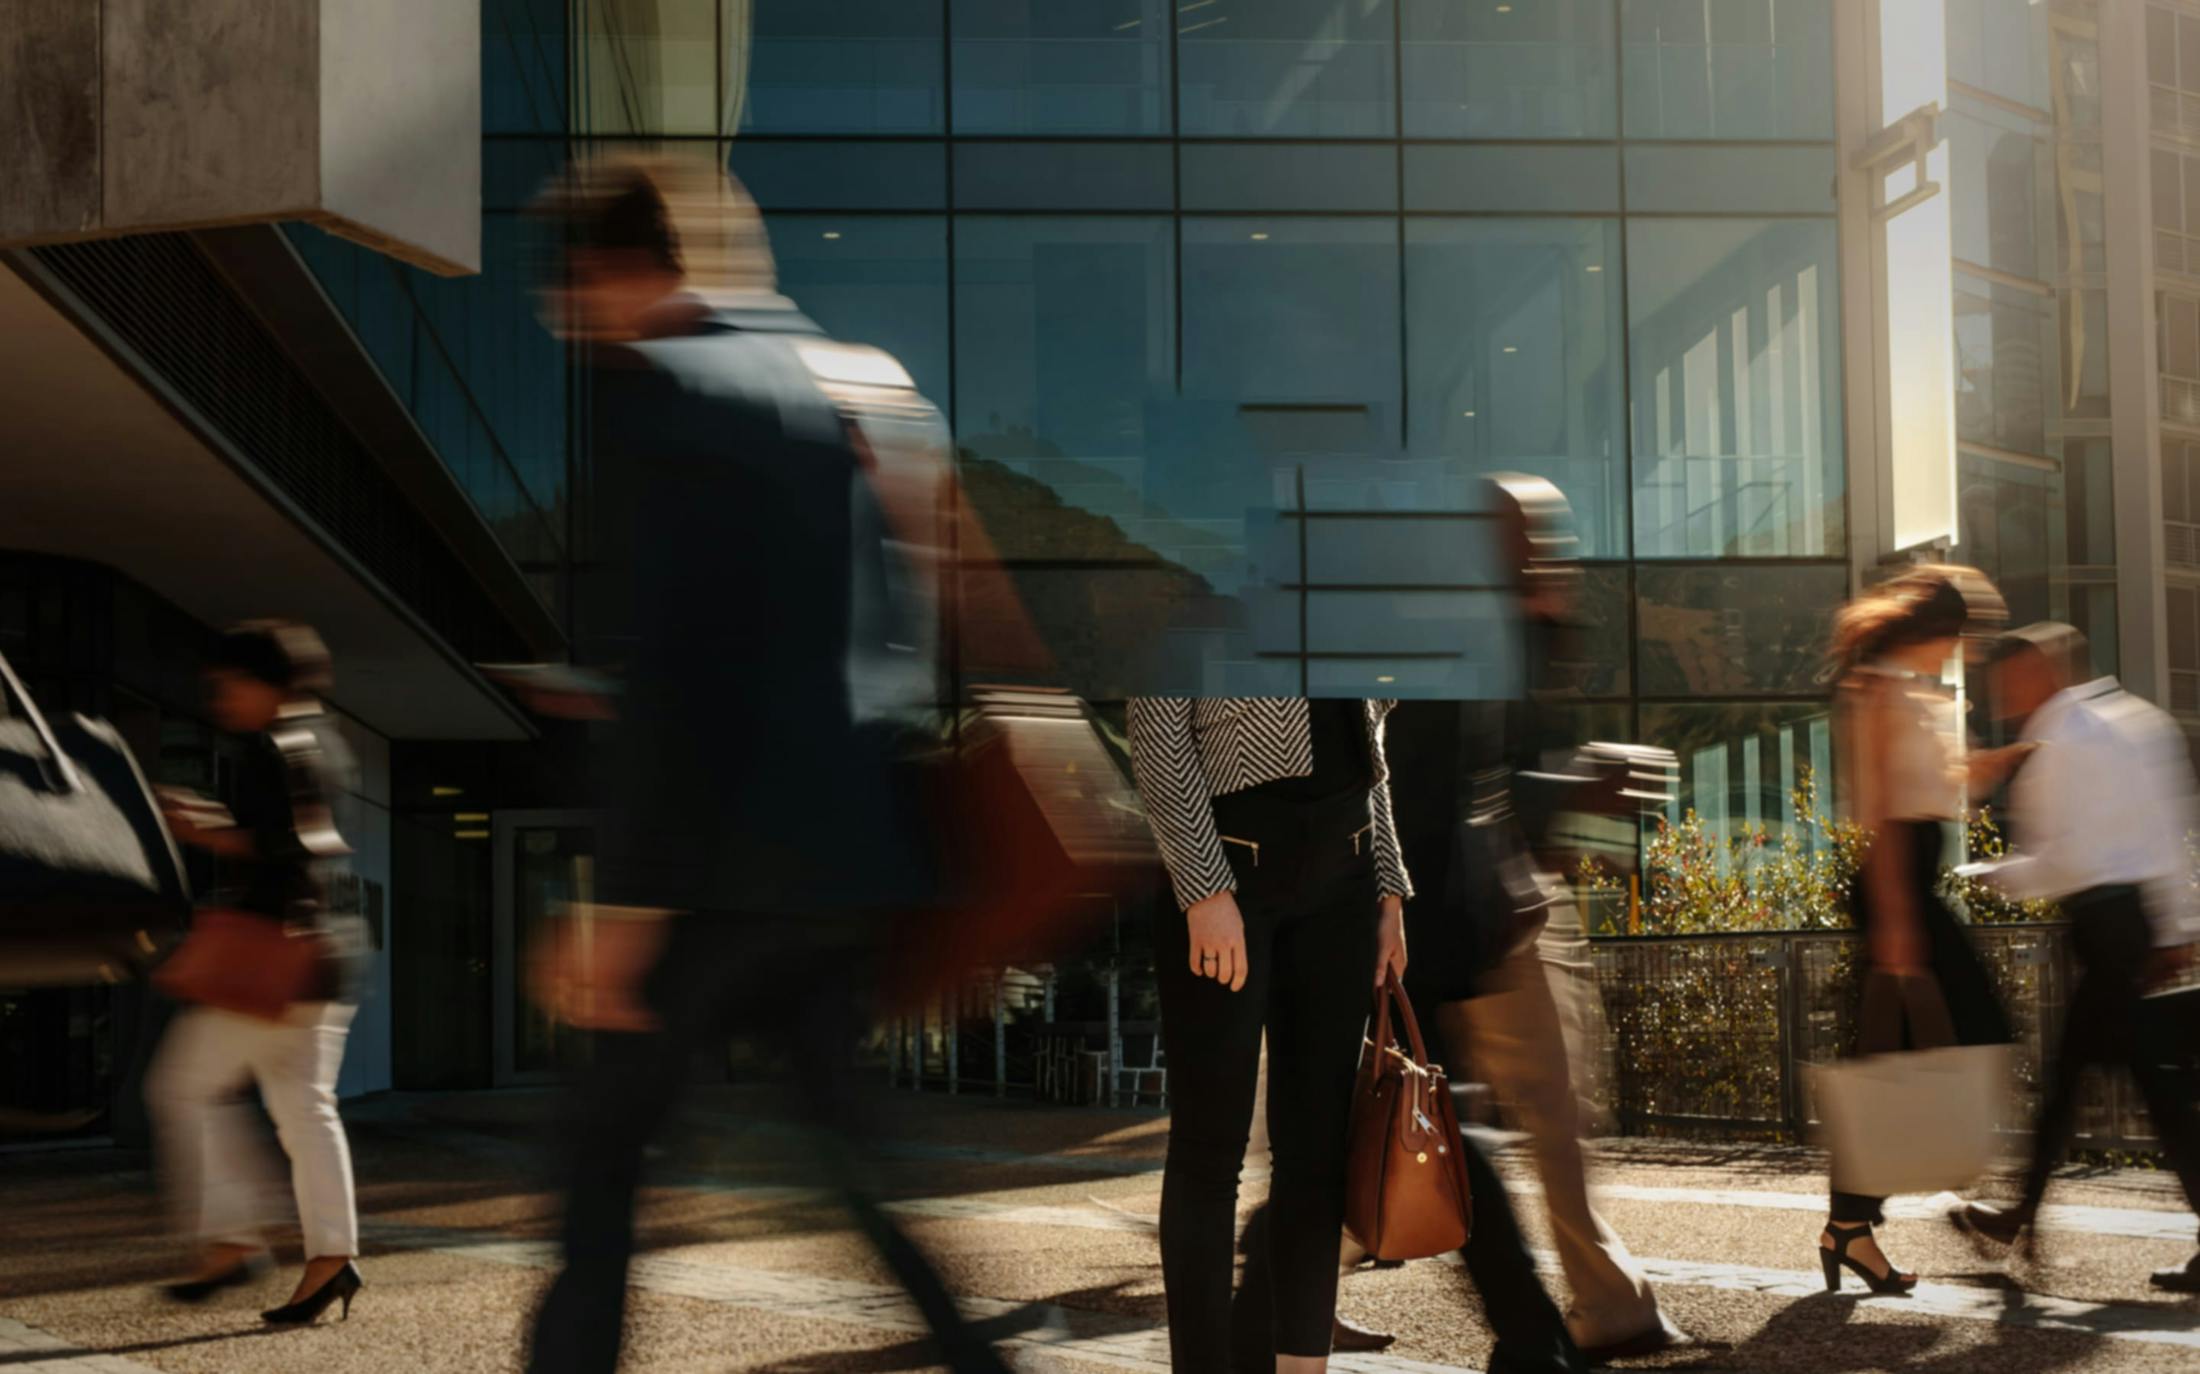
[
  {"x": 446, "y": 791},
  {"x": 1596, "y": 267},
  {"x": 1510, "y": 349},
  {"x": 1468, "y": 413},
  {"x": 832, "y": 233},
  {"x": 1260, "y": 238}
]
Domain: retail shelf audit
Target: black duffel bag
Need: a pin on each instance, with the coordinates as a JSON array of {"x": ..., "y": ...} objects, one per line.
[{"x": 91, "y": 886}]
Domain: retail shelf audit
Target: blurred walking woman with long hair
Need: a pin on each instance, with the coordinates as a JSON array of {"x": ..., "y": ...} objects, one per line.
[{"x": 1904, "y": 779}]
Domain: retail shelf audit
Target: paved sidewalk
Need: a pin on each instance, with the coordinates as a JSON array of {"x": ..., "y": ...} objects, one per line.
[{"x": 1042, "y": 1220}]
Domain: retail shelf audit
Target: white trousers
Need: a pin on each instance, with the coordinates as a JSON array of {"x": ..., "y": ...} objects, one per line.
[{"x": 220, "y": 1175}]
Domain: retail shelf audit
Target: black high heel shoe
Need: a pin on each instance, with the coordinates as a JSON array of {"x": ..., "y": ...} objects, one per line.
[
  {"x": 236, "y": 1275},
  {"x": 343, "y": 1286},
  {"x": 1833, "y": 1259}
]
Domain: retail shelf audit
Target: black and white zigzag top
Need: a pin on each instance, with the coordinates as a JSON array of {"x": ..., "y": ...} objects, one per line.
[{"x": 1186, "y": 751}]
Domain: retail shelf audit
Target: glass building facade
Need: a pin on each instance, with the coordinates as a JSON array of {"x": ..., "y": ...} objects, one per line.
[{"x": 1180, "y": 274}]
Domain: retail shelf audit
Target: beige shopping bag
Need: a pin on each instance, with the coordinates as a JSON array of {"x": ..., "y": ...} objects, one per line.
[{"x": 1910, "y": 1121}]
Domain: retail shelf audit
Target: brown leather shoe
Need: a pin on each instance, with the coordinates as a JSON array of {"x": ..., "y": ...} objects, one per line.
[{"x": 1352, "y": 1339}]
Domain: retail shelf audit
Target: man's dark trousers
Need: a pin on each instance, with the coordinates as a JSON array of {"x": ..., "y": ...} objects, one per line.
[{"x": 796, "y": 985}]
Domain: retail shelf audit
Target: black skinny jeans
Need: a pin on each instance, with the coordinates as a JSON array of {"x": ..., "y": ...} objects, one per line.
[
  {"x": 2107, "y": 1025},
  {"x": 1309, "y": 898}
]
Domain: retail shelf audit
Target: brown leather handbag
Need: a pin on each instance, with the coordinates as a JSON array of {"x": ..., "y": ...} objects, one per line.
[
  {"x": 1406, "y": 1191},
  {"x": 253, "y": 965}
]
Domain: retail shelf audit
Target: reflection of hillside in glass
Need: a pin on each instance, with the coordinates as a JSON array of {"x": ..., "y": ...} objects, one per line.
[
  {"x": 1031, "y": 517},
  {"x": 1113, "y": 611}
]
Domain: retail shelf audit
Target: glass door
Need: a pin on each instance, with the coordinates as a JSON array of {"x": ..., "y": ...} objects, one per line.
[{"x": 545, "y": 862}]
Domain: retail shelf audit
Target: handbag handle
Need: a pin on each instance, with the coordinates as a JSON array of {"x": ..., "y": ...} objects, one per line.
[
  {"x": 11, "y": 685},
  {"x": 1392, "y": 992},
  {"x": 1888, "y": 998}
]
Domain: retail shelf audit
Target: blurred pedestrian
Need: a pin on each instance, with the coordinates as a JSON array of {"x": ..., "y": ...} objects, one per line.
[
  {"x": 1904, "y": 777},
  {"x": 1273, "y": 818},
  {"x": 271, "y": 841},
  {"x": 2101, "y": 813},
  {"x": 1503, "y": 936},
  {"x": 754, "y": 840}
]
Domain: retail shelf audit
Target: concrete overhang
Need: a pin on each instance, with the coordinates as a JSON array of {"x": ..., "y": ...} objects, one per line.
[{"x": 94, "y": 465}]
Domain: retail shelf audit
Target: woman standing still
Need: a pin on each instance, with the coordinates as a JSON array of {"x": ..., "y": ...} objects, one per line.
[
  {"x": 261, "y": 686},
  {"x": 1273, "y": 818},
  {"x": 1906, "y": 785}
]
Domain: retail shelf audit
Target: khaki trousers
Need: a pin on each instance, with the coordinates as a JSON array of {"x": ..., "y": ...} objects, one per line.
[{"x": 1541, "y": 1005}]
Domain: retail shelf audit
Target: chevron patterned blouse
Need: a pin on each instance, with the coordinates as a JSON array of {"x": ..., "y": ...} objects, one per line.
[{"x": 1186, "y": 751}]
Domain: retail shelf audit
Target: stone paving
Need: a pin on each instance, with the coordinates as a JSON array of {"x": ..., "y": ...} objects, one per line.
[{"x": 1043, "y": 1222}]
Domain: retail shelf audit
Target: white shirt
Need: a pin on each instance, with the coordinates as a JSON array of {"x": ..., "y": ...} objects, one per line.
[{"x": 2106, "y": 800}]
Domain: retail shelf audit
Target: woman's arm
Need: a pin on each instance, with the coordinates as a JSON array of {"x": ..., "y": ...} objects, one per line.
[
  {"x": 1896, "y": 936},
  {"x": 1390, "y": 859},
  {"x": 1178, "y": 797}
]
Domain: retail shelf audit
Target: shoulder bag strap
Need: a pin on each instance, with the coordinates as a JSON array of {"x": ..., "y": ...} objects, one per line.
[{"x": 64, "y": 777}]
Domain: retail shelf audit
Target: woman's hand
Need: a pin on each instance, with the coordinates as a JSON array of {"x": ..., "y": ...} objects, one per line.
[
  {"x": 1989, "y": 768},
  {"x": 1390, "y": 940},
  {"x": 1218, "y": 940}
]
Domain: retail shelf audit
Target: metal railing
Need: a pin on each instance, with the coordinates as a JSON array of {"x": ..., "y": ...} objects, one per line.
[
  {"x": 1715, "y": 1035},
  {"x": 1711, "y": 1036}
]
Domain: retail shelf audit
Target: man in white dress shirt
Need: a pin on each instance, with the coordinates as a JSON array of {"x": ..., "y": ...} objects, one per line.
[{"x": 2100, "y": 807}]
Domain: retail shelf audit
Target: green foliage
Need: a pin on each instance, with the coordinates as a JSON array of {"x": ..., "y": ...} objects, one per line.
[
  {"x": 1800, "y": 879},
  {"x": 1981, "y": 900}
]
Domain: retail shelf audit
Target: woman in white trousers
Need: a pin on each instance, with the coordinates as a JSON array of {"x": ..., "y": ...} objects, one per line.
[{"x": 261, "y": 689}]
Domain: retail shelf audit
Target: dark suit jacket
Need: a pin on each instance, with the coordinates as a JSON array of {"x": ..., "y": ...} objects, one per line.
[{"x": 728, "y": 498}]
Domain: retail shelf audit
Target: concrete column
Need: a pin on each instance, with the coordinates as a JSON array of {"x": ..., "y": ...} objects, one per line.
[{"x": 2134, "y": 378}]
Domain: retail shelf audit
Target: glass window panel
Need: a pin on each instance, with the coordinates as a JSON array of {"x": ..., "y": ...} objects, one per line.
[
  {"x": 1290, "y": 312},
  {"x": 1289, "y": 176},
  {"x": 2161, "y": 46},
  {"x": 1723, "y": 782},
  {"x": 2192, "y": 193},
  {"x": 839, "y": 66},
  {"x": 816, "y": 175},
  {"x": 1064, "y": 176},
  {"x": 1042, "y": 67},
  {"x": 873, "y": 279},
  {"x": 1065, "y": 335},
  {"x": 1286, "y": 68},
  {"x": 2188, "y": 52},
  {"x": 2169, "y": 201},
  {"x": 1760, "y": 69},
  {"x": 2005, "y": 336},
  {"x": 1514, "y": 358},
  {"x": 2000, "y": 47},
  {"x": 1592, "y": 659},
  {"x": 2184, "y": 634},
  {"x": 2173, "y": 481},
  {"x": 1687, "y": 180},
  {"x": 1536, "y": 178},
  {"x": 515, "y": 170},
  {"x": 1995, "y": 161},
  {"x": 1735, "y": 367},
  {"x": 648, "y": 68},
  {"x": 1473, "y": 69},
  {"x": 1723, "y": 630},
  {"x": 523, "y": 67}
]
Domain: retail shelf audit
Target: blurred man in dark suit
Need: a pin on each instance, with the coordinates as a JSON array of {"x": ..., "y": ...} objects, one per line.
[{"x": 765, "y": 629}]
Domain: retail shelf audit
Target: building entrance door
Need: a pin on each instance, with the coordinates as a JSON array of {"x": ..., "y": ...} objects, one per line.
[{"x": 545, "y": 860}]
